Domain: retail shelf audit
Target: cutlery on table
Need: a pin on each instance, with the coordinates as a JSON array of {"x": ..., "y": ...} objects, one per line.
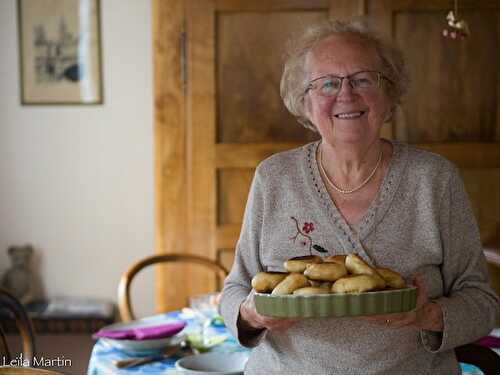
[{"x": 182, "y": 349}]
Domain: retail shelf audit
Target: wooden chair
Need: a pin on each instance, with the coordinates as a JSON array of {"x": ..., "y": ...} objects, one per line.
[
  {"x": 23, "y": 323},
  {"x": 124, "y": 301},
  {"x": 486, "y": 359},
  {"x": 25, "y": 327},
  {"x": 4, "y": 349},
  {"x": 4, "y": 370}
]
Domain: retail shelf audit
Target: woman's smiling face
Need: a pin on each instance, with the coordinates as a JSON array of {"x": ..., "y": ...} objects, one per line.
[{"x": 352, "y": 115}]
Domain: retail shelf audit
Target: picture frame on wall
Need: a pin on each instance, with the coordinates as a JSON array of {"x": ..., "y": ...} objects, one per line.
[{"x": 60, "y": 52}]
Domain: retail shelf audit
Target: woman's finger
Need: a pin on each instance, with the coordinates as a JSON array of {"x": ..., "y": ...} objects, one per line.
[
  {"x": 399, "y": 320},
  {"x": 255, "y": 319},
  {"x": 383, "y": 317},
  {"x": 422, "y": 297},
  {"x": 280, "y": 324}
]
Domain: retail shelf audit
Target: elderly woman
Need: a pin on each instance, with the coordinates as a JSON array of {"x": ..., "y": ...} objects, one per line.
[{"x": 394, "y": 205}]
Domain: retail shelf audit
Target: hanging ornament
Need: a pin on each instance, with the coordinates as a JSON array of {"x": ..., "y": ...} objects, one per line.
[{"x": 456, "y": 28}]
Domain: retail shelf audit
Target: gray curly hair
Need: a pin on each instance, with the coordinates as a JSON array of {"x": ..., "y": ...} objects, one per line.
[{"x": 293, "y": 79}]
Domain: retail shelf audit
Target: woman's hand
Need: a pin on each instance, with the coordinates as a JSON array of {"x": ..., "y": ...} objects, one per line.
[
  {"x": 427, "y": 315},
  {"x": 250, "y": 319}
]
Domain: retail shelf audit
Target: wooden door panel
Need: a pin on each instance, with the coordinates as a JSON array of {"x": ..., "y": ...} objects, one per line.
[
  {"x": 233, "y": 186},
  {"x": 250, "y": 48},
  {"x": 230, "y": 155},
  {"x": 482, "y": 187},
  {"x": 454, "y": 85},
  {"x": 467, "y": 155}
]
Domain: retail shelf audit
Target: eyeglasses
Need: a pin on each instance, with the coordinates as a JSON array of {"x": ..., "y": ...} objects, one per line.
[{"x": 330, "y": 85}]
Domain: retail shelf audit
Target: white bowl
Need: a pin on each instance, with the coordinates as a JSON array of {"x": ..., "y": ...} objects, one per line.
[{"x": 215, "y": 363}]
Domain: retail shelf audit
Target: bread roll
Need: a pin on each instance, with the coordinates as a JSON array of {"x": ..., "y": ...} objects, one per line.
[
  {"x": 265, "y": 282},
  {"x": 290, "y": 283},
  {"x": 355, "y": 284},
  {"x": 392, "y": 278},
  {"x": 325, "y": 271},
  {"x": 358, "y": 266},
  {"x": 299, "y": 264},
  {"x": 335, "y": 259},
  {"x": 310, "y": 290}
]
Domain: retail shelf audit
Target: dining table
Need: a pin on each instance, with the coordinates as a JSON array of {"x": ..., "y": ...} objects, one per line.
[{"x": 105, "y": 355}]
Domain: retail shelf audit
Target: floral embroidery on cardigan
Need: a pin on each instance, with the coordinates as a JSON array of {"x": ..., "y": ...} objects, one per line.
[{"x": 304, "y": 233}]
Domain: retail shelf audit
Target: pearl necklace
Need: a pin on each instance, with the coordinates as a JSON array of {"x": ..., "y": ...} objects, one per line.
[{"x": 347, "y": 191}]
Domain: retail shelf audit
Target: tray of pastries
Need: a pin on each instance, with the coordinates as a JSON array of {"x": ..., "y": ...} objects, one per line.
[{"x": 335, "y": 286}]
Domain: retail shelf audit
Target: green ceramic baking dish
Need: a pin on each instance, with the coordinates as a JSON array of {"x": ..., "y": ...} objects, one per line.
[{"x": 337, "y": 305}]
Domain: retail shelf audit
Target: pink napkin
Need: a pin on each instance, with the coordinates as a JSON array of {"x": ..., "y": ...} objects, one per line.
[
  {"x": 142, "y": 333},
  {"x": 489, "y": 341}
]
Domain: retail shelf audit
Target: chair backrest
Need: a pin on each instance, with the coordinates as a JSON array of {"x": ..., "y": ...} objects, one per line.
[
  {"x": 4, "y": 349},
  {"x": 124, "y": 300},
  {"x": 5, "y": 370},
  {"x": 23, "y": 323},
  {"x": 486, "y": 359}
]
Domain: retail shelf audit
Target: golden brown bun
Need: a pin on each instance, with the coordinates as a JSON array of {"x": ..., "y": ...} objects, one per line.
[
  {"x": 325, "y": 271},
  {"x": 310, "y": 290},
  {"x": 358, "y": 266},
  {"x": 335, "y": 259},
  {"x": 299, "y": 264},
  {"x": 392, "y": 278},
  {"x": 355, "y": 284},
  {"x": 290, "y": 283},
  {"x": 265, "y": 282}
]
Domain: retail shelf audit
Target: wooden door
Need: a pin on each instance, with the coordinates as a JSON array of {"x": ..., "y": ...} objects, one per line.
[{"x": 219, "y": 114}]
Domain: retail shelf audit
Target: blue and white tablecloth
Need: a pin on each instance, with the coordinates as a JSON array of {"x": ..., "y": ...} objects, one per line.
[{"x": 103, "y": 355}]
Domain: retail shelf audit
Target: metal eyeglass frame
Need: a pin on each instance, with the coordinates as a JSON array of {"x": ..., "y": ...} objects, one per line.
[{"x": 312, "y": 86}]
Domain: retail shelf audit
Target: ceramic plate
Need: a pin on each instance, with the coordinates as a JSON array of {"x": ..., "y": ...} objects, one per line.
[
  {"x": 149, "y": 345},
  {"x": 216, "y": 363},
  {"x": 337, "y": 305}
]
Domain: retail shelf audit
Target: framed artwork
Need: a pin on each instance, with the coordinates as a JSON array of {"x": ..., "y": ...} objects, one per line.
[{"x": 60, "y": 51}]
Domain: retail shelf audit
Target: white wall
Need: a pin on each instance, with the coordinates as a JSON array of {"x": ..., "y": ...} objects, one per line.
[{"x": 77, "y": 181}]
